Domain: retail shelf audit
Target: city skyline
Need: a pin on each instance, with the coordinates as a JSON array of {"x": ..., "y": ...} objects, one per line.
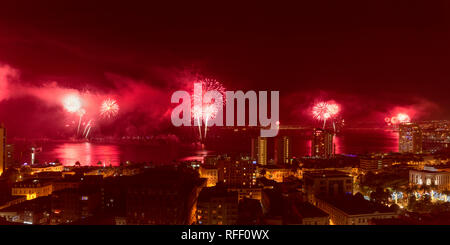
[{"x": 246, "y": 118}]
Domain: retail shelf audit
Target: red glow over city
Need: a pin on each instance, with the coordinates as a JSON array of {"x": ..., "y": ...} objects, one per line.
[{"x": 177, "y": 116}]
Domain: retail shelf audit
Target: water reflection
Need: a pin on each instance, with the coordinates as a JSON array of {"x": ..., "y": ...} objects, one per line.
[{"x": 85, "y": 153}]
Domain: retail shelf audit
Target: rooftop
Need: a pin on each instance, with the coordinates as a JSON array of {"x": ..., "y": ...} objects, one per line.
[
  {"x": 307, "y": 210},
  {"x": 32, "y": 182},
  {"x": 354, "y": 205},
  {"x": 213, "y": 192},
  {"x": 326, "y": 174}
]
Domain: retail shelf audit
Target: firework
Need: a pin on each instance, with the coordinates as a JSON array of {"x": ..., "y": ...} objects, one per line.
[
  {"x": 394, "y": 120},
  {"x": 324, "y": 111},
  {"x": 403, "y": 118},
  {"x": 206, "y": 111},
  {"x": 399, "y": 118},
  {"x": 211, "y": 85},
  {"x": 72, "y": 103},
  {"x": 333, "y": 109},
  {"x": 109, "y": 108},
  {"x": 321, "y": 113}
]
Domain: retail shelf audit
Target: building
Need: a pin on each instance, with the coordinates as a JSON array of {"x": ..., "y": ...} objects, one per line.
[
  {"x": 374, "y": 163},
  {"x": 410, "y": 138},
  {"x": 283, "y": 150},
  {"x": 217, "y": 206},
  {"x": 32, "y": 188},
  {"x": 327, "y": 183},
  {"x": 276, "y": 172},
  {"x": 237, "y": 173},
  {"x": 8, "y": 200},
  {"x": 435, "y": 135},
  {"x": 73, "y": 204},
  {"x": 353, "y": 210},
  {"x": 259, "y": 150},
  {"x": 3, "y": 158},
  {"x": 210, "y": 173},
  {"x": 250, "y": 193},
  {"x": 322, "y": 144},
  {"x": 210, "y": 160},
  {"x": 47, "y": 168},
  {"x": 431, "y": 177},
  {"x": 162, "y": 196},
  {"x": 308, "y": 214},
  {"x": 33, "y": 212},
  {"x": 10, "y": 156}
]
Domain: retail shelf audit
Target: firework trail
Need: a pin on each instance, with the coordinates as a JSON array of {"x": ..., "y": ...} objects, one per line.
[
  {"x": 86, "y": 127},
  {"x": 88, "y": 131},
  {"x": 209, "y": 112},
  {"x": 81, "y": 113},
  {"x": 109, "y": 108},
  {"x": 197, "y": 115}
]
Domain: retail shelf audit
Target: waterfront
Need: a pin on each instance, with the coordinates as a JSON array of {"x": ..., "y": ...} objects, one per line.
[{"x": 354, "y": 141}]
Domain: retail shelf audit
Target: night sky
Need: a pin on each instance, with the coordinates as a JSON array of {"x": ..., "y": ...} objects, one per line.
[{"x": 373, "y": 59}]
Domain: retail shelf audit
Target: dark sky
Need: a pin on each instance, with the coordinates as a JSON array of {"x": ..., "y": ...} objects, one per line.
[{"x": 371, "y": 57}]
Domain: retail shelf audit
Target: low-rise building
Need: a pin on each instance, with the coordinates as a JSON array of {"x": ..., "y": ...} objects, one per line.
[
  {"x": 353, "y": 210},
  {"x": 308, "y": 214},
  {"x": 32, "y": 188},
  {"x": 327, "y": 183},
  {"x": 237, "y": 173},
  {"x": 33, "y": 212},
  {"x": 251, "y": 193},
  {"x": 276, "y": 172},
  {"x": 47, "y": 168},
  {"x": 217, "y": 206},
  {"x": 430, "y": 176},
  {"x": 374, "y": 163}
]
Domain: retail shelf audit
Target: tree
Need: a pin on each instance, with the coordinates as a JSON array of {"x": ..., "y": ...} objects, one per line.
[
  {"x": 359, "y": 196},
  {"x": 77, "y": 164},
  {"x": 380, "y": 195},
  {"x": 412, "y": 202},
  {"x": 446, "y": 192},
  {"x": 395, "y": 208},
  {"x": 262, "y": 172},
  {"x": 427, "y": 199},
  {"x": 370, "y": 176}
]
